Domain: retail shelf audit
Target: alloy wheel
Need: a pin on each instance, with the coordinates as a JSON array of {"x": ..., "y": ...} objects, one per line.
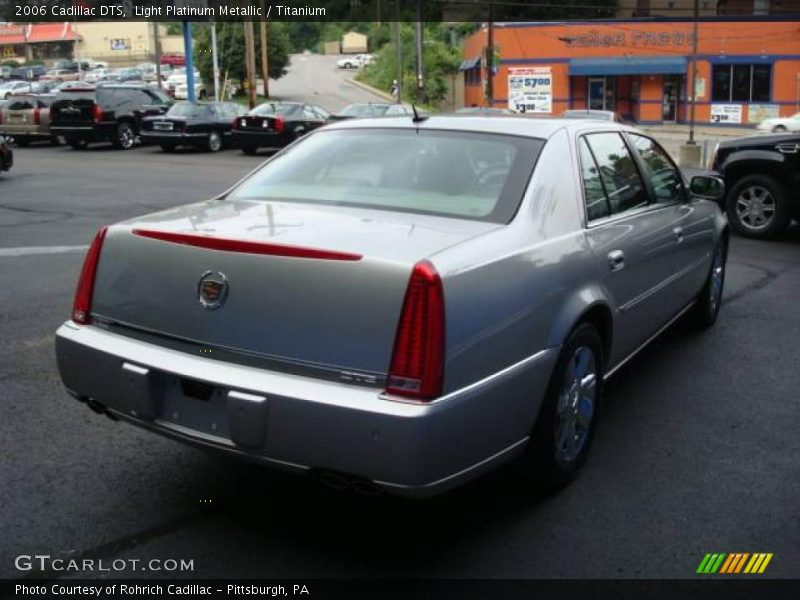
[
  {"x": 214, "y": 141},
  {"x": 125, "y": 136},
  {"x": 717, "y": 279},
  {"x": 755, "y": 207},
  {"x": 576, "y": 404}
]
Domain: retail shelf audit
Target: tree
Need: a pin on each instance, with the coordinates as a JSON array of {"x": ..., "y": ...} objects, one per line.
[
  {"x": 440, "y": 61},
  {"x": 230, "y": 45}
]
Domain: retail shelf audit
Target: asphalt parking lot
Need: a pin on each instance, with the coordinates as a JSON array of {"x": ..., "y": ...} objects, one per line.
[{"x": 696, "y": 452}]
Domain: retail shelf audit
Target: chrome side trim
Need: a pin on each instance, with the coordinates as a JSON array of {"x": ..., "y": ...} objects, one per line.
[
  {"x": 247, "y": 397},
  {"x": 661, "y": 285},
  {"x": 622, "y": 363},
  {"x": 126, "y": 366},
  {"x": 453, "y": 477},
  {"x": 468, "y": 388}
]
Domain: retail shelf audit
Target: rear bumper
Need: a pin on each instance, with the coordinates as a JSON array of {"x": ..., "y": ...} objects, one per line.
[
  {"x": 300, "y": 423},
  {"x": 259, "y": 139},
  {"x": 27, "y": 131},
  {"x": 82, "y": 132},
  {"x": 172, "y": 137}
]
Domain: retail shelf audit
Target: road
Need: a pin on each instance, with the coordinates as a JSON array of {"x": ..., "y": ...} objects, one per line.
[
  {"x": 696, "y": 452},
  {"x": 314, "y": 78}
]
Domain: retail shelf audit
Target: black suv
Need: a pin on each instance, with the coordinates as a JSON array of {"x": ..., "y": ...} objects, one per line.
[
  {"x": 762, "y": 176},
  {"x": 106, "y": 113}
]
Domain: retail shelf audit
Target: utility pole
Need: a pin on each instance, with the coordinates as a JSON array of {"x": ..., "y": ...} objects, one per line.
[
  {"x": 191, "y": 93},
  {"x": 420, "y": 54},
  {"x": 694, "y": 72},
  {"x": 490, "y": 58},
  {"x": 398, "y": 53},
  {"x": 250, "y": 61},
  {"x": 264, "y": 52},
  {"x": 215, "y": 60},
  {"x": 689, "y": 153},
  {"x": 157, "y": 52}
]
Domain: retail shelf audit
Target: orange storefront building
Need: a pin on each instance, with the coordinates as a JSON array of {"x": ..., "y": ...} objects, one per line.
[{"x": 746, "y": 70}]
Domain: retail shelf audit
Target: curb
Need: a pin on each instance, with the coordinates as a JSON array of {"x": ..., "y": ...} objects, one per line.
[{"x": 372, "y": 90}]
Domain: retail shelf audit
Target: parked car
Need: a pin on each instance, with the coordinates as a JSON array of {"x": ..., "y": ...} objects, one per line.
[
  {"x": 762, "y": 175},
  {"x": 5, "y": 72},
  {"x": 430, "y": 298},
  {"x": 26, "y": 118},
  {"x": 276, "y": 124},
  {"x": 96, "y": 75},
  {"x": 29, "y": 73},
  {"x": 14, "y": 87},
  {"x": 202, "y": 125},
  {"x": 59, "y": 75},
  {"x": 176, "y": 78},
  {"x": 45, "y": 87},
  {"x": 173, "y": 59},
  {"x": 6, "y": 155},
  {"x": 599, "y": 115},
  {"x": 367, "y": 110},
  {"x": 130, "y": 74},
  {"x": 68, "y": 85},
  {"x": 349, "y": 62},
  {"x": 781, "y": 124},
  {"x": 200, "y": 91},
  {"x": 106, "y": 113}
]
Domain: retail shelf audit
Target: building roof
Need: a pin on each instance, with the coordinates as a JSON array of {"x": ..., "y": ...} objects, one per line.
[{"x": 37, "y": 33}]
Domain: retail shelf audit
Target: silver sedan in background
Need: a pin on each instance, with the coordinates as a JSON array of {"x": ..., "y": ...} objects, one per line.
[{"x": 400, "y": 304}]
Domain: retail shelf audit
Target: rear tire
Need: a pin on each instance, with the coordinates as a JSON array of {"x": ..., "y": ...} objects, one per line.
[
  {"x": 56, "y": 140},
  {"x": 779, "y": 129},
  {"x": 705, "y": 311},
  {"x": 214, "y": 142},
  {"x": 249, "y": 150},
  {"x": 564, "y": 429},
  {"x": 757, "y": 206},
  {"x": 124, "y": 137}
]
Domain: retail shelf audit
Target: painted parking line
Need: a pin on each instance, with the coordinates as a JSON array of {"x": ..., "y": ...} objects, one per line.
[{"x": 33, "y": 250}]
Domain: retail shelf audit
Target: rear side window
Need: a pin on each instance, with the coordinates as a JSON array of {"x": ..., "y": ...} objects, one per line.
[
  {"x": 595, "y": 196},
  {"x": 619, "y": 176},
  {"x": 659, "y": 170}
]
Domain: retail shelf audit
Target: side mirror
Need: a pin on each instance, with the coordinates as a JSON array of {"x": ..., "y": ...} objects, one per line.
[{"x": 707, "y": 187}]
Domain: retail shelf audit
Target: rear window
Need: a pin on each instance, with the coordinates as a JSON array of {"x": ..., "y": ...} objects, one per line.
[
  {"x": 187, "y": 109},
  {"x": 273, "y": 108},
  {"x": 364, "y": 110},
  {"x": 474, "y": 176},
  {"x": 75, "y": 94}
]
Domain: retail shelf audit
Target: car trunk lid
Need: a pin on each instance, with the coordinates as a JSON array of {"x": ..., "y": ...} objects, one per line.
[{"x": 307, "y": 284}]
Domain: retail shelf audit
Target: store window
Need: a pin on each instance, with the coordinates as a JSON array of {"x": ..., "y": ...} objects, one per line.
[{"x": 741, "y": 83}]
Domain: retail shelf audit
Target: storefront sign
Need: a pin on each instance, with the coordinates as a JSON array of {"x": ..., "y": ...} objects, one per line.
[
  {"x": 120, "y": 44},
  {"x": 760, "y": 112},
  {"x": 531, "y": 90},
  {"x": 726, "y": 113},
  {"x": 635, "y": 39}
]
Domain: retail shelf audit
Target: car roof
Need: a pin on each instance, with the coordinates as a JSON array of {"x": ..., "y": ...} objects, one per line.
[{"x": 502, "y": 124}]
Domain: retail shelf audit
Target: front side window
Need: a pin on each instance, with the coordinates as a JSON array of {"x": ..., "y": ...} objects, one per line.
[
  {"x": 457, "y": 174},
  {"x": 659, "y": 170},
  {"x": 618, "y": 172}
]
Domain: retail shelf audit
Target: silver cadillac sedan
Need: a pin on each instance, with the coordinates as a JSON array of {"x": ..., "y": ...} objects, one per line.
[{"x": 400, "y": 304}]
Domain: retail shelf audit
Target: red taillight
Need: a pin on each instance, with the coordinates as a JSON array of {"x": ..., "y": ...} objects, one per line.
[
  {"x": 278, "y": 124},
  {"x": 97, "y": 113},
  {"x": 417, "y": 368},
  {"x": 37, "y": 116},
  {"x": 83, "y": 294}
]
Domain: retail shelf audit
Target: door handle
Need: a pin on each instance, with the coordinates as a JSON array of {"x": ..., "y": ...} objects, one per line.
[
  {"x": 616, "y": 260},
  {"x": 678, "y": 233}
]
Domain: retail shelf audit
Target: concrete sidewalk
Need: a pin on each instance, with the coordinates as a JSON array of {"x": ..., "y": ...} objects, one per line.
[{"x": 705, "y": 131}]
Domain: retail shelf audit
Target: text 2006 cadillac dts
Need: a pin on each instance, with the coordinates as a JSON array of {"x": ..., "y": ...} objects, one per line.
[{"x": 400, "y": 304}]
